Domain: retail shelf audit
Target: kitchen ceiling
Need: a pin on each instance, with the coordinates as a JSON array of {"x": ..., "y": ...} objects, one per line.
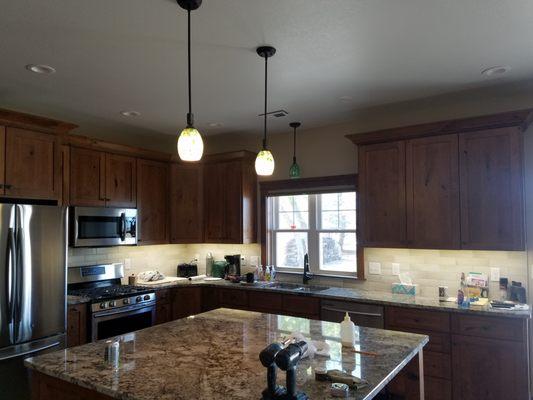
[{"x": 333, "y": 57}]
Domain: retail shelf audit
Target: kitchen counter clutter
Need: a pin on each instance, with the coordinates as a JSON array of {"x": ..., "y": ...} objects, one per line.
[
  {"x": 356, "y": 295},
  {"x": 216, "y": 355}
]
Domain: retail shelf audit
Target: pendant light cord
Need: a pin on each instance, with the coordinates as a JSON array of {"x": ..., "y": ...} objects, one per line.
[
  {"x": 294, "y": 146},
  {"x": 266, "y": 92},
  {"x": 190, "y": 121}
]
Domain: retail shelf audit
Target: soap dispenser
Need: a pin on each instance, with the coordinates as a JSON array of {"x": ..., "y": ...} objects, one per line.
[{"x": 347, "y": 332}]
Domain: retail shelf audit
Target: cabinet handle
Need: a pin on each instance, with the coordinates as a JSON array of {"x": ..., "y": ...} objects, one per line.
[{"x": 366, "y": 314}]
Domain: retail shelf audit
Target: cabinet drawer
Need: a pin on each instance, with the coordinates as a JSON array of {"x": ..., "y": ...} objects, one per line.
[
  {"x": 233, "y": 298},
  {"x": 490, "y": 327},
  {"x": 438, "y": 342},
  {"x": 301, "y": 306},
  {"x": 436, "y": 365},
  {"x": 418, "y": 319},
  {"x": 162, "y": 296},
  {"x": 267, "y": 302}
]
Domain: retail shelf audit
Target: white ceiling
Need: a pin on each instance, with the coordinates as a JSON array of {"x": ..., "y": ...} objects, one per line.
[{"x": 114, "y": 55}]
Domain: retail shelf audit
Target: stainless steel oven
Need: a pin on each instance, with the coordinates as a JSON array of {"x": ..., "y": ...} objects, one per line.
[
  {"x": 112, "y": 322},
  {"x": 99, "y": 226}
]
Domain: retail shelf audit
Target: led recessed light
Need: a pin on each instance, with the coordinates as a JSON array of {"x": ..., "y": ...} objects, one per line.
[
  {"x": 346, "y": 99},
  {"x": 496, "y": 71},
  {"x": 215, "y": 124},
  {"x": 130, "y": 113},
  {"x": 40, "y": 68}
]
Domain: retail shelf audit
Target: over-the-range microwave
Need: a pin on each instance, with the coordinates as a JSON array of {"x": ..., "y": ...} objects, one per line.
[{"x": 99, "y": 226}]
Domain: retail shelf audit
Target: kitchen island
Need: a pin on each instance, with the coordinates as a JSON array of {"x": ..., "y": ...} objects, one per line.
[{"x": 214, "y": 355}]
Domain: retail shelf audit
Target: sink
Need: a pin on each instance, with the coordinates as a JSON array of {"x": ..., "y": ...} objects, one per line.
[{"x": 297, "y": 287}]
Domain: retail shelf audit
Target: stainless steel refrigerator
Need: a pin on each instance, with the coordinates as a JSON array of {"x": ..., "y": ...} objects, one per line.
[{"x": 33, "y": 262}]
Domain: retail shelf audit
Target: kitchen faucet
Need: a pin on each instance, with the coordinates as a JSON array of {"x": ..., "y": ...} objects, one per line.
[{"x": 307, "y": 276}]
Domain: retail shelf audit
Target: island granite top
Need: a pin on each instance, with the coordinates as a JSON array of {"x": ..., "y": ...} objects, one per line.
[{"x": 214, "y": 355}]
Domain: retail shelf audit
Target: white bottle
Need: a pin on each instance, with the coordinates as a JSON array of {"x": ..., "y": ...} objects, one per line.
[{"x": 347, "y": 332}]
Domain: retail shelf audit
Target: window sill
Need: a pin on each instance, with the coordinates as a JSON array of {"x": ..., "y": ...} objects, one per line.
[{"x": 355, "y": 278}]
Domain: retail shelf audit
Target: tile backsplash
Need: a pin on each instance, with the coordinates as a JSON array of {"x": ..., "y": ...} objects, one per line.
[{"x": 428, "y": 268}]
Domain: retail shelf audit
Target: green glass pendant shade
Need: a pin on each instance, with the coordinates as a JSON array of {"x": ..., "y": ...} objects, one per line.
[{"x": 294, "y": 171}]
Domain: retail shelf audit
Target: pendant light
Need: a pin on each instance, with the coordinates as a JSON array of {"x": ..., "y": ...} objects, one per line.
[
  {"x": 264, "y": 162},
  {"x": 190, "y": 143},
  {"x": 294, "y": 171}
]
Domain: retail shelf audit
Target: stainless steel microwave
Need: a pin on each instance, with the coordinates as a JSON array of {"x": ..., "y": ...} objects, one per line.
[{"x": 99, "y": 226}]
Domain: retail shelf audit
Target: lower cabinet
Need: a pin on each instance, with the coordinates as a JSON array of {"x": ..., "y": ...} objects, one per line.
[
  {"x": 186, "y": 301},
  {"x": 76, "y": 325}
]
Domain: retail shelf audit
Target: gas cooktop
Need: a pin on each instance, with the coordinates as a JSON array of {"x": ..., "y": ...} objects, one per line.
[{"x": 109, "y": 292}]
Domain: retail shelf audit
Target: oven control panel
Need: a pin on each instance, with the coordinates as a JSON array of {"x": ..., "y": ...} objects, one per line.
[{"x": 139, "y": 299}]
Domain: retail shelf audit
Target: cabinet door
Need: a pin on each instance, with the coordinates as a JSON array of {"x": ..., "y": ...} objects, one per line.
[
  {"x": 186, "y": 204},
  {"x": 432, "y": 180},
  {"x": 489, "y": 369},
  {"x": 33, "y": 165},
  {"x": 87, "y": 177},
  {"x": 2, "y": 158},
  {"x": 215, "y": 202},
  {"x": 186, "y": 301},
  {"x": 491, "y": 190},
  {"x": 120, "y": 181},
  {"x": 233, "y": 202},
  {"x": 152, "y": 204},
  {"x": 76, "y": 325},
  {"x": 381, "y": 210}
]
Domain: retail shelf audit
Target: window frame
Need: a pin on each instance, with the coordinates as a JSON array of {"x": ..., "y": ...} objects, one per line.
[{"x": 330, "y": 184}]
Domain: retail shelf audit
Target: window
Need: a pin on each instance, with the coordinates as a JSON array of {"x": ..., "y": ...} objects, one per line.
[{"x": 321, "y": 225}]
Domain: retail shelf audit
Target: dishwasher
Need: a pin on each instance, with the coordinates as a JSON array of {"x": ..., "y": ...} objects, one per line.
[{"x": 369, "y": 315}]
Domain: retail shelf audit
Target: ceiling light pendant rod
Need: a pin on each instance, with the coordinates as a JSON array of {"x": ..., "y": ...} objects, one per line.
[
  {"x": 190, "y": 117},
  {"x": 266, "y": 106}
]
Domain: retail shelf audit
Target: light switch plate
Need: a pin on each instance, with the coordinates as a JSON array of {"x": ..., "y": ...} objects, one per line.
[
  {"x": 494, "y": 274},
  {"x": 374, "y": 268},
  {"x": 127, "y": 263},
  {"x": 395, "y": 268},
  {"x": 243, "y": 261},
  {"x": 254, "y": 261}
]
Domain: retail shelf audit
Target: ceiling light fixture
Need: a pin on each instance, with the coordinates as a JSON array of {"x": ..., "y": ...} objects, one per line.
[
  {"x": 264, "y": 162},
  {"x": 294, "y": 171},
  {"x": 130, "y": 113},
  {"x": 190, "y": 143},
  {"x": 40, "y": 69},
  {"x": 496, "y": 71}
]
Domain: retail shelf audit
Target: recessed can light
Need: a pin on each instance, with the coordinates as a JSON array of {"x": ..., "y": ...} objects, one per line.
[
  {"x": 346, "y": 99},
  {"x": 215, "y": 124},
  {"x": 130, "y": 113},
  {"x": 496, "y": 71},
  {"x": 40, "y": 68}
]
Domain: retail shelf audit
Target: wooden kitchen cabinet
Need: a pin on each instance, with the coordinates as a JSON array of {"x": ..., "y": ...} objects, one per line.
[
  {"x": 32, "y": 165},
  {"x": 99, "y": 179},
  {"x": 381, "y": 198},
  {"x": 76, "y": 325},
  {"x": 432, "y": 190},
  {"x": 230, "y": 198},
  {"x": 489, "y": 369},
  {"x": 491, "y": 177},
  {"x": 186, "y": 301},
  {"x": 152, "y": 202},
  {"x": 186, "y": 203}
]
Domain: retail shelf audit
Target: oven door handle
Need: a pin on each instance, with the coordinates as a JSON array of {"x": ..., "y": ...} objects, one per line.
[
  {"x": 123, "y": 310},
  {"x": 122, "y": 226}
]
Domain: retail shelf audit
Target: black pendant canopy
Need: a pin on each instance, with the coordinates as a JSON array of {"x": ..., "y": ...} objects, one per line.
[{"x": 189, "y": 5}]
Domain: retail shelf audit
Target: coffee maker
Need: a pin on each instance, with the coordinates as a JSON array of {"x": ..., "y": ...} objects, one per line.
[{"x": 234, "y": 264}]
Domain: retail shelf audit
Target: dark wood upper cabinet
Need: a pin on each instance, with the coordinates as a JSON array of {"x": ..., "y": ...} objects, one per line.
[
  {"x": 491, "y": 180},
  {"x": 230, "y": 198},
  {"x": 152, "y": 202},
  {"x": 432, "y": 182},
  {"x": 186, "y": 206},
  {"x": 381, "y": 212},
  {"x": 87, "y": 177},
  {"x": 99, "y": 179},
  {"x": 32, "y": 164}
]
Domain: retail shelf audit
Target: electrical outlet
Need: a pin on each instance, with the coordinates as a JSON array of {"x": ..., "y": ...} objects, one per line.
[
  {"x": 494, "y": 274},
  {"x": 127, "y": 263},
  {"x": 254, "y": 261},
  {"x": 395, "y": 268},
  {"x": 196, "y": 257},
  {"x": 243, "y": 261},
  {"x": 374, "y": 268}
]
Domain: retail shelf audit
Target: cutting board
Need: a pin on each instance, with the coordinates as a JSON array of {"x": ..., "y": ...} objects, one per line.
[{"x": 168, "y": 279}]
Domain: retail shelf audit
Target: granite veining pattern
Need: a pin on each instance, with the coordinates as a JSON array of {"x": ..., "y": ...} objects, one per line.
[
  {"x": 215, "y": 356},
  {"x": 366, "y": 296}
]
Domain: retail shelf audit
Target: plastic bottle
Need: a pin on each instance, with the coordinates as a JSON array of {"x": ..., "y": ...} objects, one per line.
[
  {"x": 209, "y": 261},
  {"x": 347, "y": 332}
]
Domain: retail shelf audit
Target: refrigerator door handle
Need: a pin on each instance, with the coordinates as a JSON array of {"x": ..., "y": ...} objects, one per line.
[
  {"x": 123, "y": 226},
  {"x": 10, "y": 280}
]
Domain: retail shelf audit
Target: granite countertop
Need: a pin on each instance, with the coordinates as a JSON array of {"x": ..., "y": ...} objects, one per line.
[
  {"x": 366, "y": 296},
  {"x": 215, "y": 355},
  {"x": 73, "y": 300}
]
